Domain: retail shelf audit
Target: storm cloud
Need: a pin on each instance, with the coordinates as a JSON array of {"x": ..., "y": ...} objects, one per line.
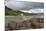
[{"x": 23, "y": 5}]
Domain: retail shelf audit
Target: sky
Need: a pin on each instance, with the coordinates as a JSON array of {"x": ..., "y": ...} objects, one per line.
[
  {"x": 25, "y": 5},
  {"x": 33, "y": 11},
  {"x": 28, "y": 0}
]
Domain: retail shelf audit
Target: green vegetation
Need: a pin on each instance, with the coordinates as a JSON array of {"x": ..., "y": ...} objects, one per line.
[{"x": 10, "y": 12}]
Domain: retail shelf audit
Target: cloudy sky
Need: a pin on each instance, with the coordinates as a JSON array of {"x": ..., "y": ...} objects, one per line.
[
  {"x": 28, "y": 0},
  {"x": 25, "y": 5}
]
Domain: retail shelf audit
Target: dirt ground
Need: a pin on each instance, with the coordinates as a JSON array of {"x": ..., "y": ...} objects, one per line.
[{"x": 38, "y": 23}]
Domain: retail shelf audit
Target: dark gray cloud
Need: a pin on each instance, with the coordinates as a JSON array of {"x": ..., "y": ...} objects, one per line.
[{"x": 23, "y": 5}]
